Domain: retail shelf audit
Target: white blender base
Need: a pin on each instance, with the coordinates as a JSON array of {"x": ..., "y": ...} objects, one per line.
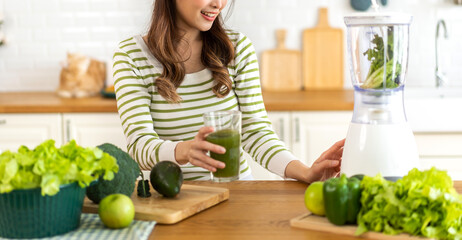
[{"x": 388, "y": 149}]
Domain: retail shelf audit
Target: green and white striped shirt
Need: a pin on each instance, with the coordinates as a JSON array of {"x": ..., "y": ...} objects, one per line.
[{"x": 153, "y": 127}]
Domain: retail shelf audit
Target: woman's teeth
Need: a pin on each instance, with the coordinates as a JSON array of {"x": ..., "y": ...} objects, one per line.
[{"x": 208, "y": 14}]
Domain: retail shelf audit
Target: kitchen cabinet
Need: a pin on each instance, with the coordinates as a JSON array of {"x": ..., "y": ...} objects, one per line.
[
  {"x": 309, "y": 133},
  {"x": 88, "y": 129},
  {"x": 314, "y": 132},
  {"x": 281, "y": 124},
  {"x": 306, "y": 134},
  {"x": 92, "y": 129},
  {"x": 29, "y": 130},
  {"x": 441, "y": 150}
]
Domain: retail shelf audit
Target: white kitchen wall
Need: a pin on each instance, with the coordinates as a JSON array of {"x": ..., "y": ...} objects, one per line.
[{"x": 40, "y": 32}]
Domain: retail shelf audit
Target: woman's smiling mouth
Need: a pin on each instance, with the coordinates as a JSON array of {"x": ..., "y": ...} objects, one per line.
[{"x": 209, "y": 15}]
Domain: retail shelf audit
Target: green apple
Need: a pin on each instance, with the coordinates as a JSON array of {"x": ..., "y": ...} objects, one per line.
[{"x": 116, "y": 211}]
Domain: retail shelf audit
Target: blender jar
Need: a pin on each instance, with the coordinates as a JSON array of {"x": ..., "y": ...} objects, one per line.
[{"x": 378, "y": 50}]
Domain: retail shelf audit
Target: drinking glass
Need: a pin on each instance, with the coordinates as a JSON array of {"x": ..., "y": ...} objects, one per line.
[{"x": 227, "y": 133}]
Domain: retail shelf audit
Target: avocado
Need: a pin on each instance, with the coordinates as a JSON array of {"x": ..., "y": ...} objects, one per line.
[{"x": 166, "y": 178}]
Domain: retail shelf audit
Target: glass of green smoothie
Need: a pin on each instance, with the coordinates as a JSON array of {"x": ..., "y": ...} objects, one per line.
[{"x": 227, "y": 133}]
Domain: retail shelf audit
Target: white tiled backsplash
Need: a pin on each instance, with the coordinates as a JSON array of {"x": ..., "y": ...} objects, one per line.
[{"x": 40, "y": 32}]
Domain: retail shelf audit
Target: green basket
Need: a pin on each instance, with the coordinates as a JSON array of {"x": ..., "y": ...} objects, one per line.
[{"x": 28, "y": 214}]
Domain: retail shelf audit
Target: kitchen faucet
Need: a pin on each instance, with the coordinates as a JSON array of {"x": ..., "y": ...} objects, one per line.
[{"x": 440, "y": 77}]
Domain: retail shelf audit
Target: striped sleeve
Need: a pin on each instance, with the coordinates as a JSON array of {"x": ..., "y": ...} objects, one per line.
[
  {"x": 134, "y": 107},
  {"x": 258, "y": 138}
]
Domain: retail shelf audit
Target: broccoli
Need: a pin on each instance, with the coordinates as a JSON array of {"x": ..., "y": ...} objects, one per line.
[{"x": 123, "y": 182}]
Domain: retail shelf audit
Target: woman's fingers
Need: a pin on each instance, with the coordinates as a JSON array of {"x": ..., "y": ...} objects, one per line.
[
  {"x": 337, "y": 155},
  {"x": 325, "y": 169},
  {"x": 200, "y": 147},
  {"x": 206, "y": 146},
  {"x": 338, "y": 167},
  {"x": 335, "y": 151},
  {"x": 326, "y": 165},
  {"x": 199, "y": 163},
  {"x": 203, "y": 132},
  {"x": 197, "y": 156},
  {"x": 329, "y": 163}
]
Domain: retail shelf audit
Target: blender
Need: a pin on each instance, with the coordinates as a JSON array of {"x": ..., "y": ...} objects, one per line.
[{"x": 379, "y": 138}]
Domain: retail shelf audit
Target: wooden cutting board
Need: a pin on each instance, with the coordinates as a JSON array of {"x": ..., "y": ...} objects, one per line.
[
  {"x": 317, "y": 223},
  {"x": 322, "y": 55},
  {"x": 281, "y": 67},
  {"x": 191, "y": 200}
]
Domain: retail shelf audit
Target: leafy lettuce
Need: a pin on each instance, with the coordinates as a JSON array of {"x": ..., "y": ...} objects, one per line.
[
  {"x": 48, "y": 167},
  {"x": 422, "y": 203},
  {"x": 379, "y": 64}
]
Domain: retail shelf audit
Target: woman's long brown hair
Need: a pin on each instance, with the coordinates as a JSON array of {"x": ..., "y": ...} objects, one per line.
[{"x": 163, "y": 39}]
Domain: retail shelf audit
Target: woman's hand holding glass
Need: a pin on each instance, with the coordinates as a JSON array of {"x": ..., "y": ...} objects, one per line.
[{"x": 195, "y": 151}]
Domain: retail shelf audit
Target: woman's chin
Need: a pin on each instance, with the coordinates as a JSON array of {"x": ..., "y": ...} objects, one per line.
[{"x": 205, "y": 27}]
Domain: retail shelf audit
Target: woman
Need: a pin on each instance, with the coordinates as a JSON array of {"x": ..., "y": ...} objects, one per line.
[{"x": 187, "y": 65}]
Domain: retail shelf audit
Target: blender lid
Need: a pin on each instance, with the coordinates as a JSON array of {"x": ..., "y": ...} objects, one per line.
[{"x": 378, "y": 18}]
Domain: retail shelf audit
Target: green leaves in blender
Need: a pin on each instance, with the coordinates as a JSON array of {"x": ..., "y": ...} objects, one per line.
[{"x": 376, "y": 56}]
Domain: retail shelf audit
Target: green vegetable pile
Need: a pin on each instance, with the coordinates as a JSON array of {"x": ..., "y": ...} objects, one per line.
[
  {"x": 48, "y": 167},
  {"x": 376, "y": 55},
  {"x": 422, "y": 203}
]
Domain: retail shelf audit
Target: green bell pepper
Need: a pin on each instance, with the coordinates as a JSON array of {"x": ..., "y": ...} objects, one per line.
[{"x": 342, "y": 199}]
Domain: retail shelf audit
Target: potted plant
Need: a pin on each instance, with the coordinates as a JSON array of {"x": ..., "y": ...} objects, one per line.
[{"x": 42, "y": 190}]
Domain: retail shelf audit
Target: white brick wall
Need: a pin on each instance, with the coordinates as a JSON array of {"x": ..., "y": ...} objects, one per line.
[
  {"x": 40, "y": 32},
  {"x": 266, "y": 16}
]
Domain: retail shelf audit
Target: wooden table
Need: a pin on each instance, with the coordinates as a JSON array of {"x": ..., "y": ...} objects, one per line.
[{"x": 255, "y": 210}]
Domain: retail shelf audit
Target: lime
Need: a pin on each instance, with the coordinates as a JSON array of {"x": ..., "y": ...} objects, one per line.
[{"x": 314, "y": 198}]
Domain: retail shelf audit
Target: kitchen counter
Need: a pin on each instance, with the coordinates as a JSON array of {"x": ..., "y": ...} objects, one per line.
[
  {"x": 320, "y": 100},
  {"x": 254, "y": 210},
  {"x": 49, "y": 102}
]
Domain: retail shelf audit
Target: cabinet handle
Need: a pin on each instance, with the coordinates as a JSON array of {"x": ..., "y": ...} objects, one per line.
[
  {"x": 68, "y": 130},
  {"x": 297, "y": 130},
  {"x": 2, "y": 121},
  {"x": 281, "y": 128}
]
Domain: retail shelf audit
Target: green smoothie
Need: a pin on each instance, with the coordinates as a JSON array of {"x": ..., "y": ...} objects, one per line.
[{"x": 231, "y": 140}]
